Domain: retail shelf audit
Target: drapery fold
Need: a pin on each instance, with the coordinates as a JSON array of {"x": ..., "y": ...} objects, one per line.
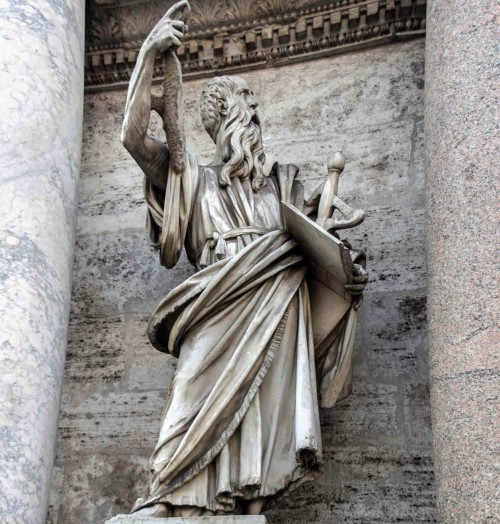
[
  {"x": 252, "y": 290},
  {"x": 167, "y": 230},
  {"x": 241, "y": 419}
]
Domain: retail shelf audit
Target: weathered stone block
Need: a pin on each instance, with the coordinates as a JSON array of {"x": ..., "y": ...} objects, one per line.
[
  {"x": 368, "y": 414},
  {"x": 417, "y": 412},
  {"x": 117, "y": 272},
  {"x": 111, "y": 200},
  {"x": 111, "y": 420},
  {"x": 364, "y": 484},
  {"x": 96, "y": 353},
  {"x": 381, "y": 86},
  {"x": 113, "y": 352},
  {"x": 392, "y": 338},
  {"x": 93, "y": 487},
  {"x": 379, "y": 160},
  {"x": 393, "y": 239}
]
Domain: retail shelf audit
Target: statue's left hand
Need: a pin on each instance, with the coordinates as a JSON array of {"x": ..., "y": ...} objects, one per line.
[{"x": 359, "y": 281}]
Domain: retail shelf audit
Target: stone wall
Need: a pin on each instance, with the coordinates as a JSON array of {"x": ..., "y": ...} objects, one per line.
[{"x": 377, "y": 442}]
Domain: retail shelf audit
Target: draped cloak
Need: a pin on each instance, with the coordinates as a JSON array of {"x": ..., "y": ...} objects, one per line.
[{"x": 241, "y": 417}]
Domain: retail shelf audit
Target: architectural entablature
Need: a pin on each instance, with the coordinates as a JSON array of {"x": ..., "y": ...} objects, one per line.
[{"x": 229, "y": 36}]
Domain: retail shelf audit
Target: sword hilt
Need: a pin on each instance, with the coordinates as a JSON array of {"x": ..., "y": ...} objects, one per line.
[{"x": 335, "y": 167}]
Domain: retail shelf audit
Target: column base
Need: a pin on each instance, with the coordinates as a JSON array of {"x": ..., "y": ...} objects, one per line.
[{"x": 226, "y": 519}]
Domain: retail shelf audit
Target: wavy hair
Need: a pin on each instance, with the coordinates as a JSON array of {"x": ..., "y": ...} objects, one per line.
[{"x": 242, "y": 148}]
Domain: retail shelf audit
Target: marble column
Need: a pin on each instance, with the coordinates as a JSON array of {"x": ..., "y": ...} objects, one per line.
[
  {"x": 41, "y": 104},
  {"x": 461, "y": 129}
]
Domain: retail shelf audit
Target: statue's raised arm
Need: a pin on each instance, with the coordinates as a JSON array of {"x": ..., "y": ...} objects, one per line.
[{"x": 151, "y": 155}]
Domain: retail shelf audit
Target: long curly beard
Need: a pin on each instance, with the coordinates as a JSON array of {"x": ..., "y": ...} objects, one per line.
[{"x": 243, "y": 152}]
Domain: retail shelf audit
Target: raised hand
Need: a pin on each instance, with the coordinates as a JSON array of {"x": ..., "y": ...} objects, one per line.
[{"x": 168, "y": 33}]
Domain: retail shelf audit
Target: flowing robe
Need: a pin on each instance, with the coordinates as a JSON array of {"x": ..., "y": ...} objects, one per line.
[{"x": 241, "y": 418}]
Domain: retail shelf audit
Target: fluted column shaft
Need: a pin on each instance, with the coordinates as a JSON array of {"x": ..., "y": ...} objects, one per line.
[
  {"x": 461, "y": 129},
  {"x": 41, "y": 101}
]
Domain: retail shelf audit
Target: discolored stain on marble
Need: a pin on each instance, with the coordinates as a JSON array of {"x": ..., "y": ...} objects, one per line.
[
  {"x": 368, "y": 414},
  {"x": 417, "y": 412},
  {"x": 392, "y": 337},
  {"x": 363, "y": 485}
]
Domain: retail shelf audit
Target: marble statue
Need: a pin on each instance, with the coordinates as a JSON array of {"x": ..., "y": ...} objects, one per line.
[{"x": 263, "y": 331}]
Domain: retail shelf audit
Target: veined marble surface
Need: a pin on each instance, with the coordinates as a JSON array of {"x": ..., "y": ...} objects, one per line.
[{"x": 41, "y": 82}]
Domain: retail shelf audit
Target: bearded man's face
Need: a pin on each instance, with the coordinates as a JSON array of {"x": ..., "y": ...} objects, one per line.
[
  {"x": 241, "y": 137},
  {"x": 246, "y": 100}
]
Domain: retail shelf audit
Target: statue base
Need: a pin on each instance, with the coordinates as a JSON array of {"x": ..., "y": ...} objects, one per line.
[{"x": 219, "y": 519}]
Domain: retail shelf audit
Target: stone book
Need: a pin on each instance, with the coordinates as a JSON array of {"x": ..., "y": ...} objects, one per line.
[{"x": 328, "y": 258}]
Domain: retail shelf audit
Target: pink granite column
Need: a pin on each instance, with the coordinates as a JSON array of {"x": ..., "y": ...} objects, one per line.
[{"x": 461, "y": 128}]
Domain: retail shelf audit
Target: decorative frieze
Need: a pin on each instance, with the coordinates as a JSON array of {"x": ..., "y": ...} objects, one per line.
[{"x": 228, "y": 36}]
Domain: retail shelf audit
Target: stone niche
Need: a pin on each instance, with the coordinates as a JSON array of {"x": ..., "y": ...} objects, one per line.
[{"x": 367, "y": 102}]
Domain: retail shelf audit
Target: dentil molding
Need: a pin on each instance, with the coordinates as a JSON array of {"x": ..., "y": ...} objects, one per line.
[{"x": 229, "y": 36}]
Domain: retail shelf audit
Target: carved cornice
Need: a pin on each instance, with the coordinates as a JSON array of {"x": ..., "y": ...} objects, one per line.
[{"x": 228, "y": 36}]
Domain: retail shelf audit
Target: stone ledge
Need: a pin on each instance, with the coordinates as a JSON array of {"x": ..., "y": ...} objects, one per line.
[{"x": 229, "y": 519}]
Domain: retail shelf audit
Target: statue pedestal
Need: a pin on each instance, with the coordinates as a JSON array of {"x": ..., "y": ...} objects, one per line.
[{"x": 229, "y": 519}]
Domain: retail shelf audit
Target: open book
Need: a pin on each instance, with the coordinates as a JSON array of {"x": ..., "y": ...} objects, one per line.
[
  {"x": 333, "y": 318},
  {"x": 328, "y": 258}
]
